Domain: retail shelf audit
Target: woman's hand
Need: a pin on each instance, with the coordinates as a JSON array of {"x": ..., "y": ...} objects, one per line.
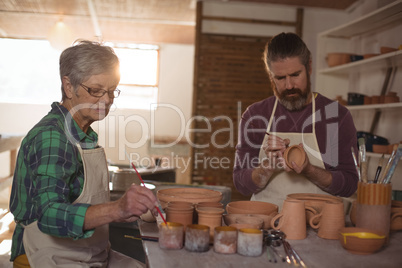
[{"x": 136, "y": 201}]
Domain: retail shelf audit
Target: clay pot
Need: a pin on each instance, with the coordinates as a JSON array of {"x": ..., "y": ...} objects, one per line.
[
  {"x": 266, "y": 219},
  {"x": 335, "y": 59},
  {"x": 292, "y": 220},
  {"x": 373, "y": 207},
  {"x": 239, "y": 226},
  {"x": 380, "y": 149},
  {"x": 188, "y": 194},
  {"x": 180, "y": 204},
  {"x": 251, "y": 207},
  {"x": 331, "y": 220},
  {"x": 209, "y": 204},
  {"x": 211, "y": 217},
  {"x": 315, "y": 201},
  {"x": 370, "y": 55},
  {"x": 180, "y": 212},
  {"x": 396, "y": 219},
  {"x": 385, "y": 50},
  {"x": 294, "y": 153},
  {"x": 375, "y": 99},
  {"x": 396, "y": 204},
  {"x": 361, "y": 245},
  {"x": 367, "y": 100}
]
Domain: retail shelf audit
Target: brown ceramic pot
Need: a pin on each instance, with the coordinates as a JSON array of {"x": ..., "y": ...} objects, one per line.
[
  {"x": 396, "y": 219},
  {"x": 315, "y": 201},
  {"x": 189, "y": 194},
  {"x": 292, "y": 220},
  {"x": 180, "y": 214},
  {"x": 361, "y": 245},
  {"x": 211, "y": 217},
  {"x": 251, "y": 207},
  {"x": 294, "y": 153},
  {"x": 330, "y": 220}
]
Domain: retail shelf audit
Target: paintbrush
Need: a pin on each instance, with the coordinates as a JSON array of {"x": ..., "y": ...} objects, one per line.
[
  {"x": 363, "y": 161},
  {"x": 397, "y": 157},
  {"x": 387, "y": 167},
  {"x": 377, "y": 173},
  {"x": 158, "y": 207},
  {"x": 356, "y": 165}
]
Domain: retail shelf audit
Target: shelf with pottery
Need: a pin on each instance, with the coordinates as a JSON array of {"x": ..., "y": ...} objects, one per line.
[{"x": 382, "y": 61}]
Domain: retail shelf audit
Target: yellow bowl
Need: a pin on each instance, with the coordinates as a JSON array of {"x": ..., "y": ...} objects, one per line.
[{"x": 361, "y": 241}]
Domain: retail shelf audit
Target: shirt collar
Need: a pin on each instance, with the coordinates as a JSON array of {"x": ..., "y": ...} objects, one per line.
[{"x": 73, "y": 132}]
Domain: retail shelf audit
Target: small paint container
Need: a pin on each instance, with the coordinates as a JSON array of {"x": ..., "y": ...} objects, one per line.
[
  {"x": 197, "y": 238},
  {"x": 171, "y": 235}
]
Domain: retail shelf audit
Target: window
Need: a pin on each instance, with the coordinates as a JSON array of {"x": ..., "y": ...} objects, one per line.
[
  {"x": 29, "y": 73},
  {"x": 139, "y": 66}
]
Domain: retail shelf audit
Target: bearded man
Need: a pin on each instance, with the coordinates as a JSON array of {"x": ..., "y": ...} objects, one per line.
[{"x": 294, "y": 116}]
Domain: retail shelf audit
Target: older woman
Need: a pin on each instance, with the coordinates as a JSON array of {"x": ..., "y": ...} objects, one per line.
[{"x": 60, "y": 193}]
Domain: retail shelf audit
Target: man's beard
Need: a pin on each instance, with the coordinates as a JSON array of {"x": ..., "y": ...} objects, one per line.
[{"x": 294, "y": 103}]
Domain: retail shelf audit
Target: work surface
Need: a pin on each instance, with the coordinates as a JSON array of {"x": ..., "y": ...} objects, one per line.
[{"x": 315, "y": 252}]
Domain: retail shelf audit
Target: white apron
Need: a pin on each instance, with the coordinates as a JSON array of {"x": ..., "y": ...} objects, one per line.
[
  {"x": 283, "y": 183},
  {"x": 45, "y": 250}
]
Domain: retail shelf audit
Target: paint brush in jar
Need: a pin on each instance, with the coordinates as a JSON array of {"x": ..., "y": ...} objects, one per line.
[
  {"x": 395, "y": 160},
  {"x": 378, "y": 171},
  {"x": 363, "y": 160},
  {"x": 356, "y": 164},
  {"x": 388, "y": 165}
]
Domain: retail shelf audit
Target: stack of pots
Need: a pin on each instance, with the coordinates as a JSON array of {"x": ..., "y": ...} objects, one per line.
[{"x": 180, "y": 212}]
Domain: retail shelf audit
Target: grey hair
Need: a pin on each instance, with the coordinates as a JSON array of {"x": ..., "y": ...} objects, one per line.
[
  {"x": 84, "y": 59},
  {"x": 286, "y": 45}
]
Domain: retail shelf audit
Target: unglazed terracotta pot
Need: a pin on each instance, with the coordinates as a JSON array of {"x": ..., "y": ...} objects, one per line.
[
  {"x": 331, "y": 220},
  {"x": 210, "y": 204},
  {"x": 231, "y": 218},
  {"x": 316, "y": 201},
  {"x": 294, "y": 153},
  {"x": 292, "y": 220},
  {"x": 181, "y": 213},
  {"x": 189, "y": 194},
  {"x": 251, "y": 207},
  {"x": 361, "y": 241},
  {"x": 211, "y": 217},
  {"x": 373, "y": 208},
  {"x": 396, "y": 219}
]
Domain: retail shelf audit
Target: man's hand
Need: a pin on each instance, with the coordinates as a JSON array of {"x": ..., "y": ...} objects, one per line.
[{"x": 274, "y": 147}]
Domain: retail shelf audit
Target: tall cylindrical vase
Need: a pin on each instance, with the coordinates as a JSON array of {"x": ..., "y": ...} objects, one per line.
[{"x": 373, "y": 206}]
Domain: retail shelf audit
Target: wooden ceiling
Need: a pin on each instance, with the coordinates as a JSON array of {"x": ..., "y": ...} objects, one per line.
[{"x": 169, "y": 21}]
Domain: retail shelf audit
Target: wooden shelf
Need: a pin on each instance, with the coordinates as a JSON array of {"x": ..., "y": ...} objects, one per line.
[
  {"x": 396, "y": 105},
  {"x": 386, "y": 15},
  {"x": 392, "y": 59}
]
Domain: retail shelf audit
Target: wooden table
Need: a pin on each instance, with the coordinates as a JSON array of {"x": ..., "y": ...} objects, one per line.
[{"x": 315, "y": 252}]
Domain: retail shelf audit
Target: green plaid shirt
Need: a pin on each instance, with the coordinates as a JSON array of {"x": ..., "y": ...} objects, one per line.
[{"x": 49, "y": 176}]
